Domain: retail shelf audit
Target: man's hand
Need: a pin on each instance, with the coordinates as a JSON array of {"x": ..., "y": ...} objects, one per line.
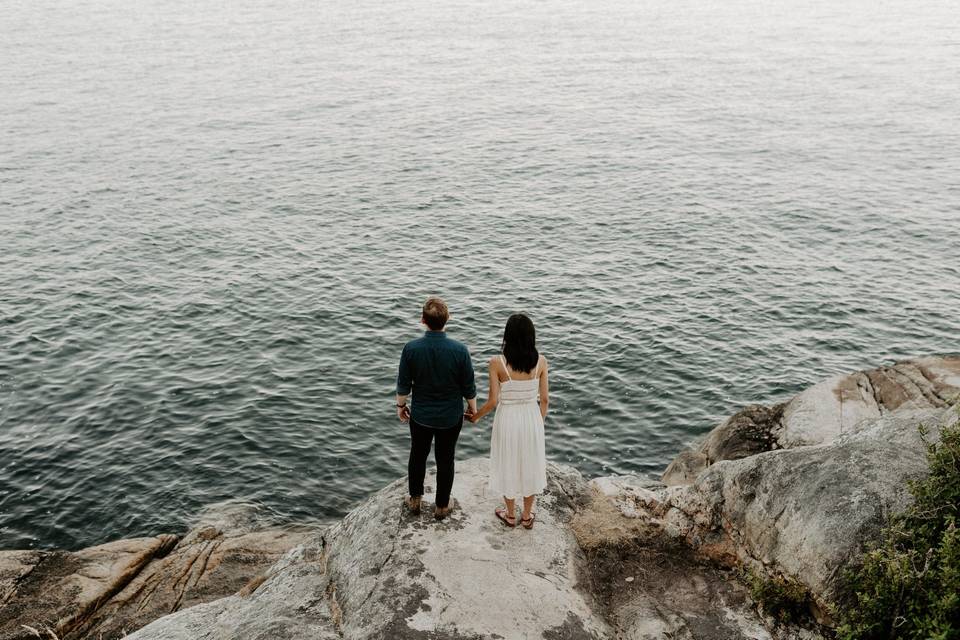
[
  {"x": 403, "y": 413},
  {"x": 471, "y": 412}
]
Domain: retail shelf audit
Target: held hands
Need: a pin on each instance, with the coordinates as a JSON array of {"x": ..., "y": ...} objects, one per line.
[
  {"x": 471, "y": 415},
  {"x": 403, "y": 413}
]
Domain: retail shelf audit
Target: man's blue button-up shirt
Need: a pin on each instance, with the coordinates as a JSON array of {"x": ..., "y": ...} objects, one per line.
[{"x": 439, "y": 373}]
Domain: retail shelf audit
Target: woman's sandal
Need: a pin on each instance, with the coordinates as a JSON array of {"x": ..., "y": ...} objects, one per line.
[
  {"x": 501, "y": 514},
  {"x": 528, "y": 522}
]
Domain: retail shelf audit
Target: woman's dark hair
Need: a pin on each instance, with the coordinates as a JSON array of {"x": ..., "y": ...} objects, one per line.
[{"x": 519, "y": 346}]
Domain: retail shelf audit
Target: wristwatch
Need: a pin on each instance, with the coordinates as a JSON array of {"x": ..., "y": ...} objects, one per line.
[{"x": 401, "y": 406}]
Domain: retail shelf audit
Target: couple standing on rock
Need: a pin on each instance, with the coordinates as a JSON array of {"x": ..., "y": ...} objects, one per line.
[{"x": 437, "y": 370}]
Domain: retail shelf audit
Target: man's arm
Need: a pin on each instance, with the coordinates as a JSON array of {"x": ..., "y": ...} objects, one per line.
[
  {"x": 403, "y": 410},
  {"x": 469, "y": 386},
  {"x": 404, "y": 385}
]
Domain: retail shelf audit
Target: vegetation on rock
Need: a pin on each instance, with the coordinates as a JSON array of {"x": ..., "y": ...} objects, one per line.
[
  {"x": 908, "y": 584},
  {"x": 782, "y": 598}
]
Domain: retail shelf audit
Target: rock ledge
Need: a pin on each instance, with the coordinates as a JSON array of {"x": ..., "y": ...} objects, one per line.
[{"x": 792, "y": 490}]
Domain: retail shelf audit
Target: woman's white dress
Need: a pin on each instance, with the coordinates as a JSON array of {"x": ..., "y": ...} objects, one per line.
[{"x": 518, "y": 459}]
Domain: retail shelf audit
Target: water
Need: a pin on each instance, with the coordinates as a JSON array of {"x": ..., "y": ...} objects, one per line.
[{"x": 219, "y": 220}]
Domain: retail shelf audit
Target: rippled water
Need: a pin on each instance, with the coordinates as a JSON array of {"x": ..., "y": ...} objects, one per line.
[{"x": 219, "y": 221}]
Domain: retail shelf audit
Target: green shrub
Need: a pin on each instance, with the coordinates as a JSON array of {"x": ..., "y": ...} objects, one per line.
[
  {"x": 781, "y": 597},
  {"x": 908, "y": 585}
]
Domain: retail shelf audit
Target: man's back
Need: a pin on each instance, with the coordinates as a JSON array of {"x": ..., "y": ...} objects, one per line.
[{"x": 439, "y": 372}]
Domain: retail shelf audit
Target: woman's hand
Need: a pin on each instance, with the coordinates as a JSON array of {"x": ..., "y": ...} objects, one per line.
[{"x": 492, "y": 398}]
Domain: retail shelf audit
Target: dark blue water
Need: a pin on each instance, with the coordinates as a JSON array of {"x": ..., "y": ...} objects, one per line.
[{"x": 219, "y": 221}]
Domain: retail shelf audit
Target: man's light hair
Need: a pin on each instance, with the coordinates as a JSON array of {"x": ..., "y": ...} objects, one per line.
[{"x": 435, "y": 313}]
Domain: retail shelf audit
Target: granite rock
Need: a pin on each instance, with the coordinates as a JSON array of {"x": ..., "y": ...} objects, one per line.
[
  {"x": 105, "y": 591},
  {"x": 805, "y": 512},
  {"x": 838, "y": 405},
  {"x": 385, "y": 573},
  {"x": 794, "y": 489}
]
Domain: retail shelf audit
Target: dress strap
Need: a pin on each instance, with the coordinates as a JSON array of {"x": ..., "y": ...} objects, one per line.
[
  {"x": 536, "y": 369},
  {"x": 505, "y": 367}
]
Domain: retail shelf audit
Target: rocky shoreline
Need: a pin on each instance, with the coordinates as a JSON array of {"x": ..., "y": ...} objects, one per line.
[
  {"x": 115, "y": 588},
  {"x": 787, "y": 492}
]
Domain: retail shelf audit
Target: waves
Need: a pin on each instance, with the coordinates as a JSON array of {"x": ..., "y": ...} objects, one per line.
[{"x": 217, "y": 231}]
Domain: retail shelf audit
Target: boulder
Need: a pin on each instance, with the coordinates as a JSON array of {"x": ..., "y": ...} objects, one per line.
[
  {"x": 649, "y": 586},
  {"x": 804, "y": 512},
  {"x": 821, "y": 413},
  {"x": 384, "y": 573},
  {"x": 59, "y": 589},
  {"x": 583, "y": 572},
  {"x": 751, "y": 430},
  {"x": 105, "y": 591},
  {"x": 291, "y": 601}
]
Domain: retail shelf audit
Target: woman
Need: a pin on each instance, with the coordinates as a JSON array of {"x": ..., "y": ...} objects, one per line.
[{"x": 519, "y": 392}]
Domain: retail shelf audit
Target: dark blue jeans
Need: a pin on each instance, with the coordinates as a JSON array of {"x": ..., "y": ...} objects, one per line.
[{"x": 444, "y": 453}]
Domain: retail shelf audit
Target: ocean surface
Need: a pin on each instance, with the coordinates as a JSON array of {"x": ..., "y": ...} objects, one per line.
[{"x": 218, "y": 221}]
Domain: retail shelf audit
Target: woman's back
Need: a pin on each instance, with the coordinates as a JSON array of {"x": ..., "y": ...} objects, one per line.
[
  {"x": 517, "y": 451},
  {"x": 520, "y": 394},
  {"x": 514, "y": 391}
]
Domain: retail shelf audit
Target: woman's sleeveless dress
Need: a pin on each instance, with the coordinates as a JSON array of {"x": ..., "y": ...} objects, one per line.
[{"x": 518, "y": 460}]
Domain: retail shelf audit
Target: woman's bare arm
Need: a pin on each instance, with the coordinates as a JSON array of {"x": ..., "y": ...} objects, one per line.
[
  {"x": 494, "y": 396},
  {"x": 544, "y": 390}
]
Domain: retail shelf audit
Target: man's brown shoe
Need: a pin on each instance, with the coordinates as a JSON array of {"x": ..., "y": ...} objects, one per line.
[{"x": 412, "y": 504}]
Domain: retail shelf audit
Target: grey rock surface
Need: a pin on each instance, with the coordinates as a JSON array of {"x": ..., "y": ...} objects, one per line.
[
  {"x": 836, "y": 406},
  {"x": 291, "y": 602},
  {"x": 59, "y": 589},
  {"x": 648, "y": 590},
  {"x": 802, "y": 512},
  {"x": 105, "y": 591},
  {"x": 384, "y": 573}
]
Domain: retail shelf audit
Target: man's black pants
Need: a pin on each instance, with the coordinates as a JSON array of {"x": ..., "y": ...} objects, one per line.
[{"x": 444, "y": 453}]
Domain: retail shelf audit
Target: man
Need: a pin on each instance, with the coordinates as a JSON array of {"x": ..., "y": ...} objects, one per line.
[{"x": 438, "y": 371}]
